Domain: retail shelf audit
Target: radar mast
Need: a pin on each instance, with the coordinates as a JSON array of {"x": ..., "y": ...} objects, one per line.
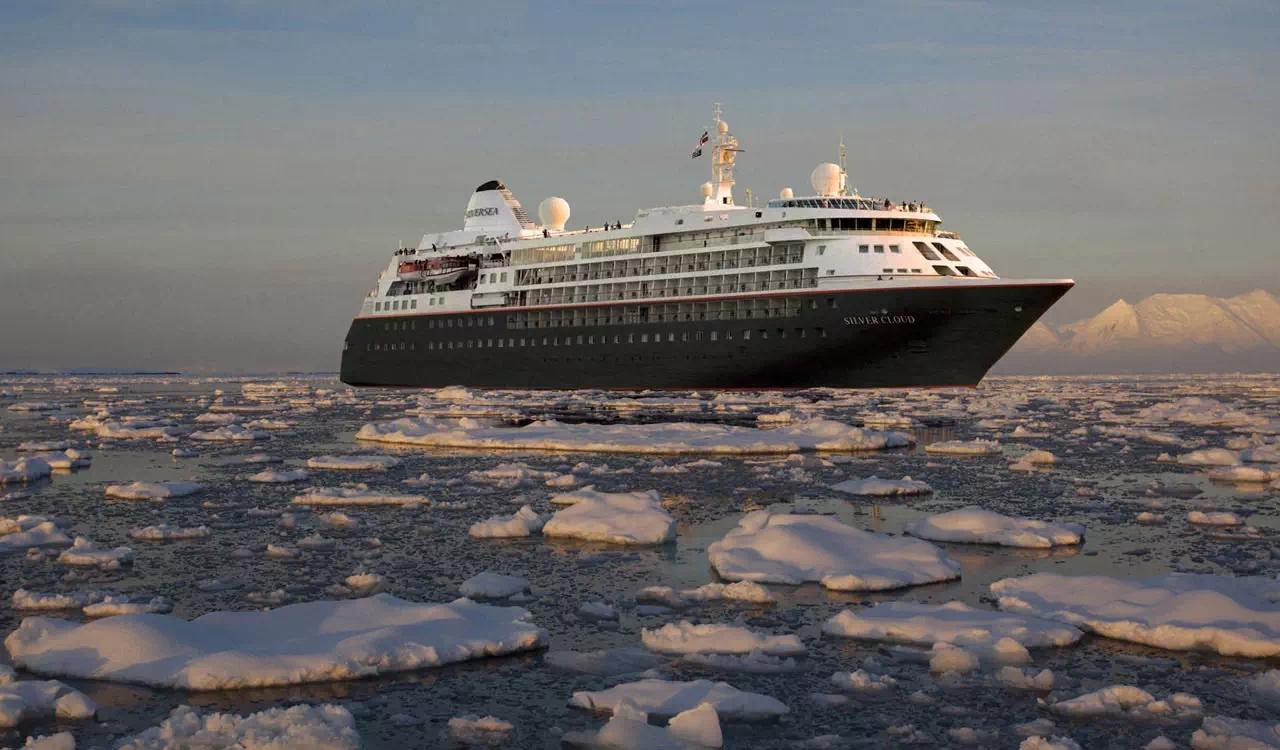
[{"x": 724, "y": 151}]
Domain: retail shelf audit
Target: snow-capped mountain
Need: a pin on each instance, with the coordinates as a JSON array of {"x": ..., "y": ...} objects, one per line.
[{"x": 1164, "y": 332}]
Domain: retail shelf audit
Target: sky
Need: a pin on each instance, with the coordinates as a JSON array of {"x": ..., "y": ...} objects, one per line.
[{"x": 214, "y": 187}]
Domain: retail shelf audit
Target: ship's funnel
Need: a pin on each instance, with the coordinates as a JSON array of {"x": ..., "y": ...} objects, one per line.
[{"x": 494, "y": 211}]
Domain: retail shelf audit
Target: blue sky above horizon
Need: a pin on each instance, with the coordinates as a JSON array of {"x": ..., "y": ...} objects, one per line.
[{"x": 214, "y": 186}]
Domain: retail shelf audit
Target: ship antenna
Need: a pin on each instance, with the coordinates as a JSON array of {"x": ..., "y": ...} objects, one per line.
[
  {"x": 844, "y": 163},
  {"x": 724, "y": 151}
]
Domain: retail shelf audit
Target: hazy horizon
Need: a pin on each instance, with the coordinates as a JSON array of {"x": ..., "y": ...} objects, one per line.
[{"x": 206, "y": 189}]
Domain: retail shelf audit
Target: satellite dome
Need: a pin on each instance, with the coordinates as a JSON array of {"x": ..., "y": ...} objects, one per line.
[
  {"x": 723, "y": 127},
  {"x": 786, "y": 194},
  {"x": 706, "y": 190},
  {"x": 825, "y": 179},
  {"x": 553, "y": 212}
]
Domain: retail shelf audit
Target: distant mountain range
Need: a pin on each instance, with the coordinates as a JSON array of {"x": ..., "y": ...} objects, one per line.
[{"x": 1162, "y": 333}]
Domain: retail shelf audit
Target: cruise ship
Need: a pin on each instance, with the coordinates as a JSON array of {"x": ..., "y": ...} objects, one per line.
[{"x": 827, "y": 289}]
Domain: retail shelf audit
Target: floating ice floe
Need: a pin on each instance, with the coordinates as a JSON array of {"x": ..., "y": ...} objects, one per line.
[
  {"x": 488, "y": 731},
  {"x": 744, "y": 591},
  {"x": 1019, "y": 679},
  {"x": 153, "y": 490},
  {"x": 359, "y": 495},
  {"x": 27, "y": 469},
  {"x": 862, "y": 681},
  {"x": 280, "y": 477},
  {"x": 1267, "y": 453},
  {"x": 164, "y": 532},
  {"x": 228, "y": 433},
  {"x": 211, "y": 417},
  {"x": 974, "y": 525},
  {"x": 34, "y": 600},
  {"x": 954, "y": 622},
  {"x": 488, "y": 585},
  {"x": 755, "y": 662},
  {"x": 42, "y": 699},
  {"x": 675, "y": 437},
  {"x": 1214, "y": 518},
  {"x": 783, "y": 548},
  {"x": 24, "y": 532},
  {"x": 686, "y": 638},
  {"x": 84, "y": 553},
  {"x": 139, "y": 430},
  {"x": 70, "y": 458},
  {"x": 523, "y": 522},
  {"x": 1129, "y": 701},
  {"x": 629, "y": 729},
  {"x": 1222, "y": 733},
  {"x": 598, "y": 611},
  {"x": 1195, "y": 410},
  {"x": 262, "y": 458},
  {"x": 353, "y": 463},
  {"x": 1056, "y": 742},
  {"x": 510, "y": 476},
  {"x": 1265, "y": 687},
  {"x": 1244, "y": 475},
  {"x": 1209, "y": 457},
  {"x": 43, "y": 445},
  {"x": 965, "y": 447},
  {"x": 613, "y": 517},
  {"x": 299, "y": 643},
  {"x": 665, "y": 698},
  {"x": 1232, "y": 616},
  {"x": 875, "y": 486},
  {"x": 1034, "y": 461},
  {"x": 326, "y": 727}
]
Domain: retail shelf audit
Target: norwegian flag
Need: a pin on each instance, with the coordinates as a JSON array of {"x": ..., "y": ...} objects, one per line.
[{"x": 706, "y": 136}]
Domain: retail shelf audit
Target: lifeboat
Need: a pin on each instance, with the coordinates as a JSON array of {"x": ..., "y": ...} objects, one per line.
[{"x": 434, "y": 270}]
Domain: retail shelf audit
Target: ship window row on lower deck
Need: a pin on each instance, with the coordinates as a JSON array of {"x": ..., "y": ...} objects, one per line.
[
  {"x": 642, "y": 337},
  {"x": 683, "y": 286},
  {"x": 650, "y": 265}
]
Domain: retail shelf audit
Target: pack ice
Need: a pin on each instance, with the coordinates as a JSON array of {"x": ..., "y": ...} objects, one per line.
[
  {"x": 666, "y": 698},
  {"x": 299, "y": 643},
  {"x": 954, "y": 622},
  {"x": 675, "y": 437},
  {"x": 782, "y": 548},
  {"x": 614, "y": 517}
]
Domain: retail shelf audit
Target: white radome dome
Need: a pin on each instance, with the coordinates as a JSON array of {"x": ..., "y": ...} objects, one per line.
[
  {"x": 706, "y": 190},
  {"x": 786, "y": 194},
  {"x": 825, "y": 179},
  {"x": 723, "y": 127},
  {"x": 553, "y": 212}
]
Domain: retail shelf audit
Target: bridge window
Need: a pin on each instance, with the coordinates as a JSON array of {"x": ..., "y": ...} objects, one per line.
[
  {"x": 944, "y": 270},
  {"x": 926, "y": 252},
  {"x": 945, "y": 252}
]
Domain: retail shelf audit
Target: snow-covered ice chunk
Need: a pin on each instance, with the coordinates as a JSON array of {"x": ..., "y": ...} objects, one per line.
[
  {"x": 486, "y": 731},
  {"x": 1130, "y": 701},
  {"x": 954, "y": 622},
  {"x": 165, "y": 532},
  {"x": 974, "y": 525},
  {"x": 1244, "y": 475},
  {"x": 523, "y": 522},
  {"x": 1233, "y": 616},
  {"x": 280, "y": 477},
  {"x": 228, "y": 433},
  {"x": 489, "y": 585},
  {"x": 686, "y": 638},
  {"x": 743, "y": 591},
  {"x": 35, "y": 600},
  {"x": 875, "y": 486},
  {"x": 1222, "y": 733},
  {"x": 300, "y": 643},
  {"x": 22, "y": 533},
  {"x": 26, "y": 469},
  {"x": 1034, "y": 461},
  {"x": 70, "y": 458},
  {"x": 326, "y": 727},
  {"x": 1056, "y": 742},
  {"x": 614, "y": 517},
  {"x": 598, "y": 611},
  {"x": 946, "y": 657},
  {"x": 672, "y": 437},
  {"x": 360, "y": 495},
  {"x": 1209, "y": 457},
  {"x": 629, "y": 729},
  {"x": 1019, "y": 679},
  {"x": 1214, "y": 518},
  {"x": 1265, "y": 687},
  {"x": 153, "y": 490},
  {"x": 783, "y": 548},
  {"x": 353, "y": 463},
  {"x": 84, "y": 553},
  {"x": 262, "y": 458},
  {"x": 59, "y": 741},
  {"x": 39, "y": 699},
  {"x": 666, "y": 698},
  {"x": 965, "y": 447},
  {"x": 862, "y": 681}
]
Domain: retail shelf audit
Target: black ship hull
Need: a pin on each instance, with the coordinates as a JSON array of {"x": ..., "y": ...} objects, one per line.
[{"x": 940, "y": 335}]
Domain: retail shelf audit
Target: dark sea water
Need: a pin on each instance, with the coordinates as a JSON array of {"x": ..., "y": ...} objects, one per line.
[{"x": 1107, "y": 473}]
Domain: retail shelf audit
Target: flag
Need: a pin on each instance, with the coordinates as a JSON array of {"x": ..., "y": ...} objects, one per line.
[{"x": 701, "y": 142}]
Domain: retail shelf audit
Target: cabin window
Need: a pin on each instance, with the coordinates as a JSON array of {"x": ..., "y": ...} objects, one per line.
[
  {"x": 944, "y": 271},
  {"x": 966, "y": 271},
  {"x": 715, "y": 336},
  {"x": 895, "y": 249},
  {"x": 822, "y": 249},
  {"x": 831, "y": 302},
  {"x": 864, "y": 248},
  {"x": 879, "y": 248},
  {"x": 644, "y": 338},
  {"x": 746, "y": 334}
]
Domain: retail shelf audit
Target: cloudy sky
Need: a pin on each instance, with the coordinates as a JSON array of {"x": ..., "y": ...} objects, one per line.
[{"x": 214, "y": 186}]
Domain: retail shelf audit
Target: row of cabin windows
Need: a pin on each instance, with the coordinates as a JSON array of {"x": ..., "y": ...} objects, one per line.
[
  {"x": 493, "y": 278},
  {"x": 684, "y": 286},
  {"x": 465, "y": 321},
  {"x": 879, "y": 248},
  {"x": 929, "y": 254},
  {"x": 777, "y": 307},
  {"x": 393, "y": 305},
  {"x": 742, "y": 334},
  {"x": 782, "y": 254}
]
